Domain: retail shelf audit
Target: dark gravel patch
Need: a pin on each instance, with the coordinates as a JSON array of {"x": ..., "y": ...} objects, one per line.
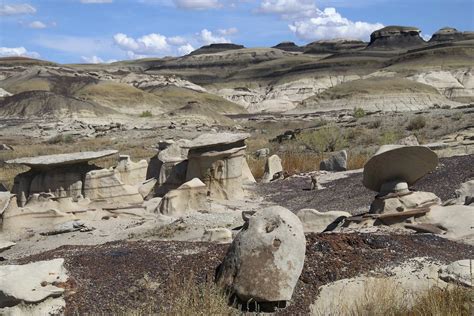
[
  {"x": 350, "y": 195},
  {"x": 106, "y": 276}
]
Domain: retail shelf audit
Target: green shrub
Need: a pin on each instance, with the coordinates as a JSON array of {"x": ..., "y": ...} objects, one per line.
[
  {"x": 146, "y": 114},
  {"x": 359, "y": 112},
  {"x": 326, "y": 139},
  {"x": 389, "y": 137},
  {"x": 374, "y": 124},
  {"x": 416, "y": 123},
  {"x": 60, "y": 138}
]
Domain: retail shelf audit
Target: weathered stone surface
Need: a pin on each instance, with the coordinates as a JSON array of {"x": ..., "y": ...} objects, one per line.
[
  {"x": 189, "y": 197},
  {"x": 409, "y": 141},
  {"x": 266, "y": 258},
  {"x": 131, "y": 173},
  {"x": 404, "y": 202},
  {"x": 263, "y": 152},
  {"x": 5, "y": 200},
  {"x": 62, "y": 159},
  {"x": 337, "y": 162},
  {"x": 147, "y": 188},
  {"x": 458, "y": 272},
  {"x": 247, "y": 176},
  {"x": 211, "y": 139},
  {"x": 395, "y": 37},
  {"x": 317, "y": 222},
  {"x": 272, "y": 166},
  {"x": 31, "y": 283},
  {"x": 219, "y": 235},
  {"x": 396, "y": 162},
  {"x": 217, "y": 160},
  {"x": 5, "y": 147},
  {"x": 464, "y": 194},
  {"x": 105, "y": 184},
  {"x": 4, "y": 245},
  {"x": 172, "y": 165}
]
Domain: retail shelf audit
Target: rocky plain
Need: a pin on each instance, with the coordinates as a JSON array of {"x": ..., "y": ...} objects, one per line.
[{"x": 335, "y": 178}]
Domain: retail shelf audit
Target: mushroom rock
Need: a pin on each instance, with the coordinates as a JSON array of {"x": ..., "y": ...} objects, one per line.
[
  {"x": 62, "y": 174},
  {"x": 395, "y": 37},
  {"x": 266, "y": 258},
  {"x": 189, "y": 197},
  {"x": 216, "y": 159},
  {"x": 398, "y": 163}
]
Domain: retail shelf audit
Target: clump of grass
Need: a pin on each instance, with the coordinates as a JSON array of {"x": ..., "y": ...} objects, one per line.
[
  {"x": 257, "y": 166},
  {"x": 61, "y": 138},
  {"x": 359, "y": 112},
  {"x": 389, "y": 137},
  {"x": 457, "y": 116},
  {"x": 297, "y": 162},
  {"x": 416, "y": 123},
  {"x": 146, "y": 114},
  {"x": 356, "y": 161}
]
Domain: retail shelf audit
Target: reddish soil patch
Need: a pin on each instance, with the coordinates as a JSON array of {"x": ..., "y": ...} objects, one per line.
[{"x": 110, "y": 275}]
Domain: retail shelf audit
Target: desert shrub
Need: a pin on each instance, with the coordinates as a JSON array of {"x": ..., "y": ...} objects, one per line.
[
  {"x": 60, "y": 138},
  {"x": 359, "y": 112},
  {"x": 326, "y": 139},
  {"x": 457, "y": 116},
  {"x": 374, "y": 124},
  {"x": 146, "y": 114},
  {"x": 389, "y": 137},
  {"x": 446, "y": 107},
  {"x": 296, "y": 162},
  {"x": 356, "y": 161},
  {"x": 416, "y": 123}
]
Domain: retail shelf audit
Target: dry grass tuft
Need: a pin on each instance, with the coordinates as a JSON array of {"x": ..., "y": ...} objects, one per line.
[{"x": 297, "y": 162}]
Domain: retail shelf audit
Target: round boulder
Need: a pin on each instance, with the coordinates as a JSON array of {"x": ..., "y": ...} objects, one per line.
[
  {"x": 266, "y": 258},
  {"x": 397, "y": 162}
]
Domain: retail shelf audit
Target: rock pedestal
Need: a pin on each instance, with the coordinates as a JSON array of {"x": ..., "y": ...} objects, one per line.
[{"x": 189, "y": 197}]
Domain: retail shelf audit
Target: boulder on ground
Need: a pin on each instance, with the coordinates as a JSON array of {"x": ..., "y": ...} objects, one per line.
[
  {"x": 397, "y": 203},
  {"x": 5, "y": 147},
  {"x": 337, "y": 162},
  {"x": 266, "y": 258},
  {"x": 317, "y": 222},
  {"x": 459, "y": 272},
  {"x": 398, "y": 163},
  {"x": 31, "y": 283},
  {"x": 409, "y": 141},
  {"x": 189, "y": 197},
  {"x": 262, "y": 153},
  {"x": 272, "y": 167}
]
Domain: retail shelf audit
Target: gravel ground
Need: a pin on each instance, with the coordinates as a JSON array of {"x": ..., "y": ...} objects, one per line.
[
  {"x": 348, "y": 194},
  {"x": 111, "y": 275}
]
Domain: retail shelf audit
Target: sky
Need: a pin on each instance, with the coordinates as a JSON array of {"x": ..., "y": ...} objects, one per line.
[{"x": 92, "y": 31}]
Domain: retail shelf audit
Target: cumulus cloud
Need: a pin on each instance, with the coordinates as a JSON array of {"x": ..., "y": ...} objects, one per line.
[
  {"x": 229, "y": 31},
  {"x": 16, "y": 9},
  {"x": 308, "y": 22},
  {"x": 146, "y": 45},
  {"x": 197, "y": 4},
  {"x": 92, "y": 60},
  {"x": 177, "y": 40},
  {"x": 207, "y": 37},
  {"x": 17, "y": 51},
  {"x": 96, "y": 1},
  {"x": 37, "y": 25},
  {"x": 185, "y": 49}
]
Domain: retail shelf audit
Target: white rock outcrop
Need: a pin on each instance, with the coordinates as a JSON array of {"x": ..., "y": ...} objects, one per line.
[
  {"x": 459, "y": 272},
  {"x": 189, "y": 197},
  {"x": 272, "y": 167}
]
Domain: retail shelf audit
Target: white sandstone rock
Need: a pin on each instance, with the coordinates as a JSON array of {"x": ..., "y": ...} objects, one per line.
[
  {"x": 219, "y": 235},
  {"x": 272, "y": 166},
  {"x": 458, "y": 272},
  {"x": 316, "y": 222},
  {"x": 266, "y": 258},
  {"x": 189, "y": 197}
]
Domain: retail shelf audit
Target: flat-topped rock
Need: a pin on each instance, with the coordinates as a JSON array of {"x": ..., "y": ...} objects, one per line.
[
  {"x": 216, "y": 48},
  {"x": 210, "y": 139},
  {"x": 62, "y": 159},
  {"x": 396, "y": 37}
]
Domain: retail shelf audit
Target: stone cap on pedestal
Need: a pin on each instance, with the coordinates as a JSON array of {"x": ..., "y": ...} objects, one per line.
[
  {"x": 62, "y": 159},
  {"x": 213, "y": 139}
]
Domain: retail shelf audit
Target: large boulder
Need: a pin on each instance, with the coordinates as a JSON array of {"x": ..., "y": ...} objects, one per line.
[
  {"x": 337, "y": 162},
  {"x": 266, "y": 258},
  {"x": 189, "y": 197},
  {"x": 396, "y": 203},
  {"x": 272, "y": 167},
  {"x": 317, "y": 222}
]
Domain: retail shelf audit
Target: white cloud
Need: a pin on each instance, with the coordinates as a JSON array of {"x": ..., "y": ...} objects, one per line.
[
  {"x": 207, "y": 37},
  {"x": 77, "y": 45},
  {"x": 92, "y": 60},
  {"x": 329, "y": 24},
  {"x": 96, "y": 1},
  {"x": 16, "y": 9},
  {"x": 37, "y": 25},
  {"x": 146, "y": 45},
  {"x": 17, "y": 51},
  {"x": 287, "y": 8},
  {"x": 229, "y": 31},
  {"x": 197, "y": 4},
  {"x": 185, "y": 49},
  {"x": 177, "y": 40}
]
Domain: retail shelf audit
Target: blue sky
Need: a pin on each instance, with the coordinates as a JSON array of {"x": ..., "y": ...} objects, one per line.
[{"x": 72, "y": 31}]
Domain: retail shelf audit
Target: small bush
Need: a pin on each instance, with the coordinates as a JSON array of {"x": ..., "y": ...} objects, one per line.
[
  {"x": 326, "y": 139},
  {"x": 66, "y": 139},
  {"x": 359, "y": 112},
  {"x": 374, "y": 124},
  {"x": 389, "y": 137},
  {"x": 416, "y": 123},
  {"x": 146, "y": 114},
  {"x": 457, "y": 116}
]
